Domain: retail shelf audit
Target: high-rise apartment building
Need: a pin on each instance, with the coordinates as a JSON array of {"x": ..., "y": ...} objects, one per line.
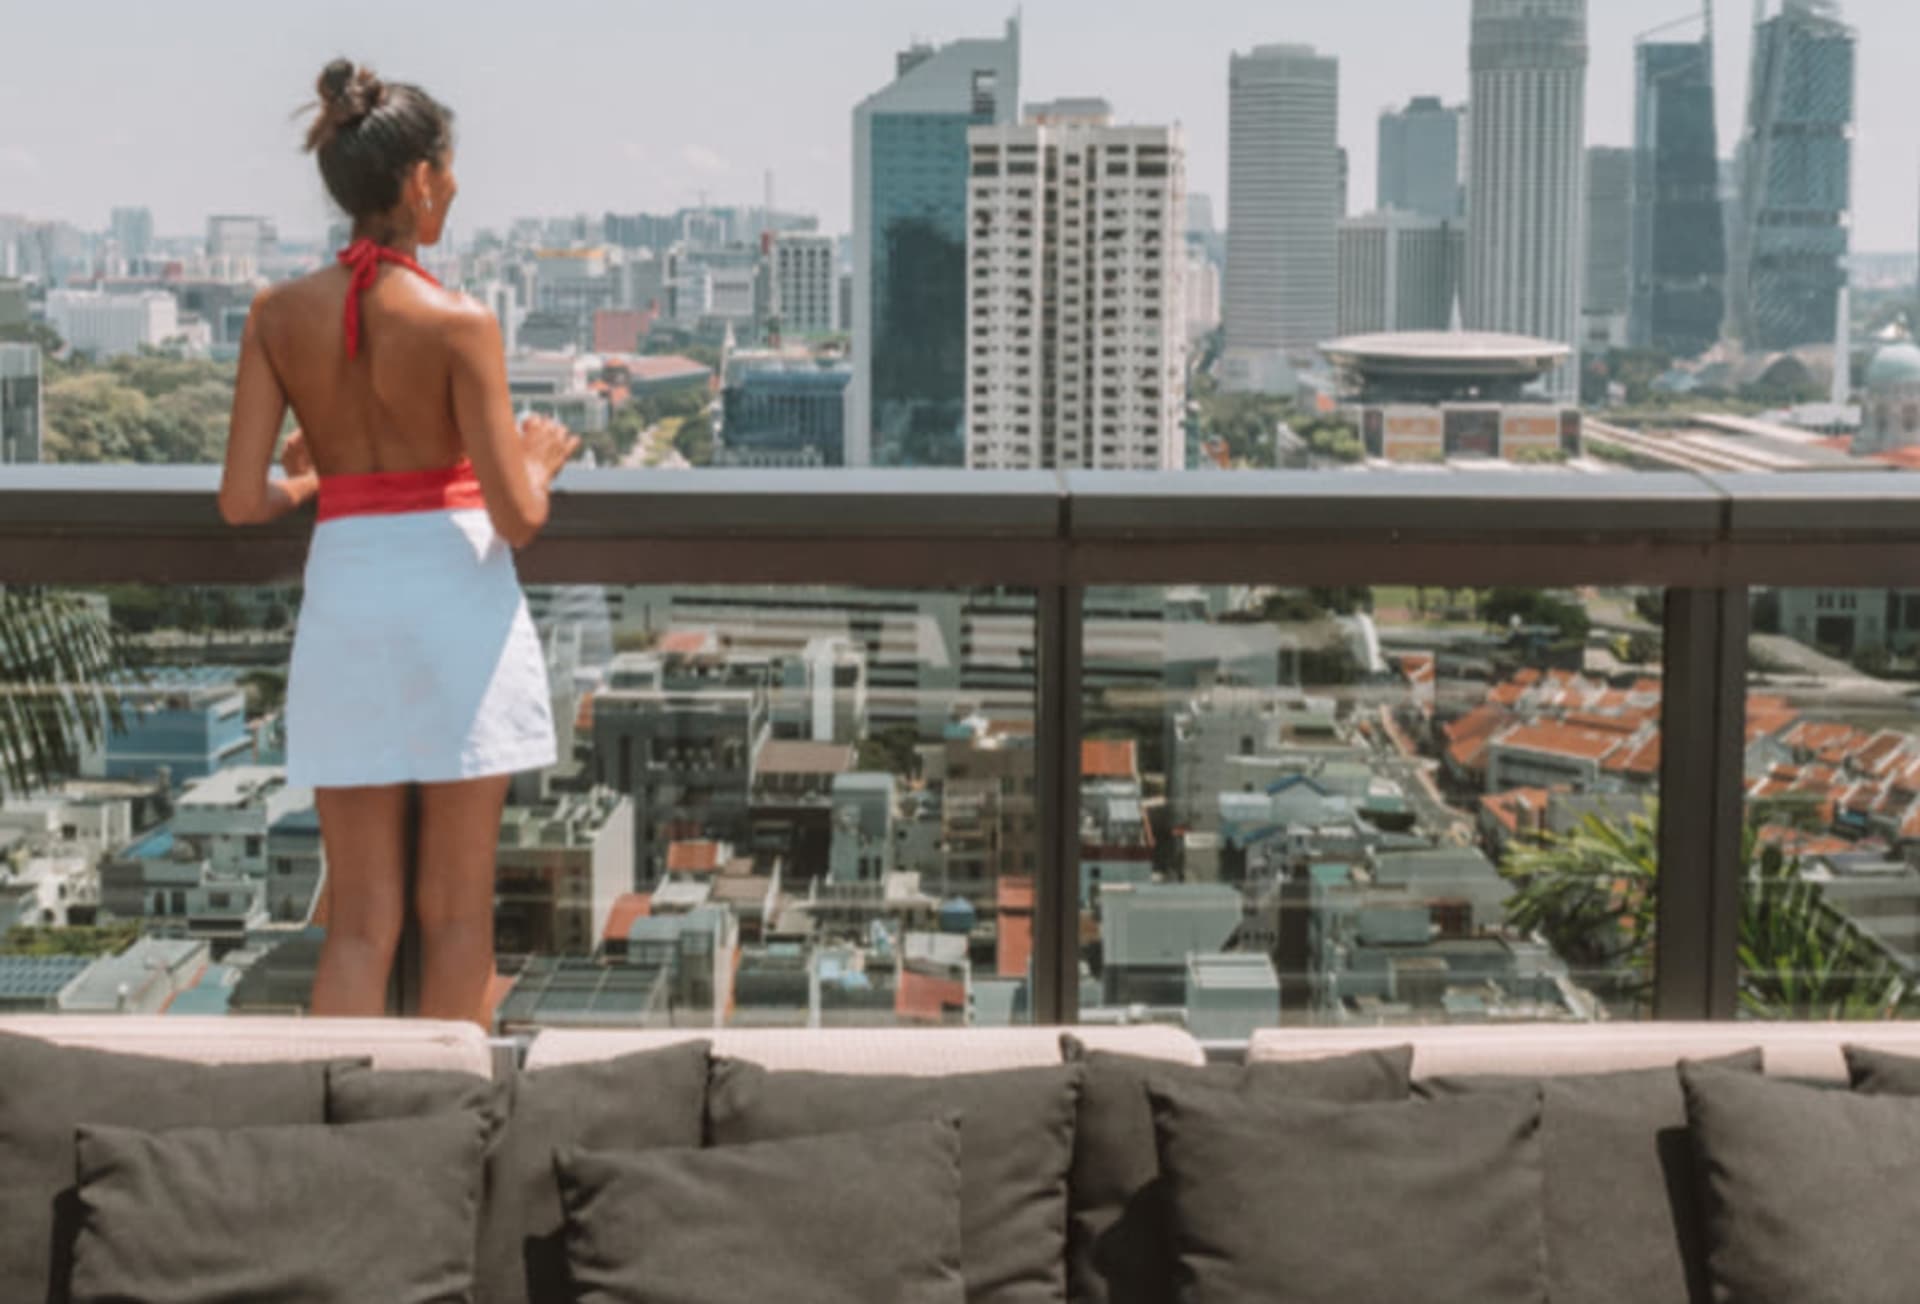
[
  {"x": 21, "y": 408},
  {"x": 133, "y": 232},
  {"x": 1419, "y": 166},
  {"x": 1281, "y": 292},
  {"x": 1203, "y": 293},
  {"x": 1076, "y": 303},
  {"x": 806, "y": 284},
  {"x": 1526, "y": 190},
  {"x": 241, "y": 237},
  {"x": 1399, "y": 272},
  {"x": 908, "y": 402},
  {"x": 1608, "y": 281},
  {"x": 1796, "y": 179},
  {"x": 1679, "y": 253}
]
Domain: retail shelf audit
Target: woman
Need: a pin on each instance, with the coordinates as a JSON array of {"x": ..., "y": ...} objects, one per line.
[{"x": 415, "y": 660}]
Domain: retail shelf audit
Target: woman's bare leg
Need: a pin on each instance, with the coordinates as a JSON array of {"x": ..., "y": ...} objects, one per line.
[
  {"x": 453, "y": 898},
  {"x": 364, "y": 832}
]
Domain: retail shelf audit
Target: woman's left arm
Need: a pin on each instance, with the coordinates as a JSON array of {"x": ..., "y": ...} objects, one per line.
[{"x": 248, "y": 496}]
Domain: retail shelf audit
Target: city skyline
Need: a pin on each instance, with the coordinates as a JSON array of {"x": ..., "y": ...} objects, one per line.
[{"x": 227, "y": 142}]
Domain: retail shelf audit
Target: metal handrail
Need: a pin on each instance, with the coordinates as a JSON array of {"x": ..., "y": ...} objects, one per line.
[{"x": 1705, "y": 539}]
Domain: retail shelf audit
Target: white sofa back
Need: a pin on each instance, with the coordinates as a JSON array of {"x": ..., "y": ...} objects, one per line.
[
  {"x": 1792, "y": 1050},
  {"x": 389, "y": 1043},
  {"x": 920, "y": 1052}
]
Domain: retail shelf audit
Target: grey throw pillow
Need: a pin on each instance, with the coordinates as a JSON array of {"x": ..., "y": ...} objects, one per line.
[
  {"x": 1302, "y": 1202},
  {"x": 1879, "y": 1073},
  {"x": 871, "y": 1215},
  {"x": 296, "y": 1215},
  {"x": 1018, "y": 1145},
  {"x": 1810, "y": 1194},
  {"x": 650, "y": 1100},
  {"x": 1118, "y": 1250},
  {"x": 1622, "y": 1210},
  {"x": 46, "y": 1091}
]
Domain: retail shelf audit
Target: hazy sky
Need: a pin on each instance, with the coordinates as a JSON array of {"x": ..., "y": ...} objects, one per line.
[{"x": 589, "y": 105}]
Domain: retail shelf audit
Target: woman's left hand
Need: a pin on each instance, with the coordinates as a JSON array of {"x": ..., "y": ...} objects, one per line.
[{"x": 296, "y": 459}]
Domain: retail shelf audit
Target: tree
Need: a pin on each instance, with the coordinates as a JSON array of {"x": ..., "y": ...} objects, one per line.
[
  {"x": 92, "y": 940},
  {"x": 695, "y": 440},
  {"x": 1593, "y": 895},
  {"x": 1536, "y": 607},
  {"x": 56, "y": 653},
  {"x": 892, "y": 750}
]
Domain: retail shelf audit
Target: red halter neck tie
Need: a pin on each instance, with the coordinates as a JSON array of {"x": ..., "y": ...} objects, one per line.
[{"x": 363, "y": 258}]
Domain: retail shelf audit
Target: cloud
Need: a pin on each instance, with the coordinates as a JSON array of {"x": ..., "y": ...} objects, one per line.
[
  {"x": 18, "y": 158},
  {"x": 635, "y": 151},
  {"x": 703, "y": 160}
]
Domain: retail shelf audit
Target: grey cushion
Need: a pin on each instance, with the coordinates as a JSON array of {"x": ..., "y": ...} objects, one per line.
[
  {"x": 871, "y": 1215},
  {"x": 296, "y": 1215},
  {"x": 649, "y": 1100},
  {"x": 46, "y": 1091},
  {"x": 1622, "y": 1212},
  {"x": 1302, "y": 1202},
  {"x": 1877, "y": 1073},
  {"x": 1018, "y": 1145},
  {"x": 1118, "y": 1250},
  {"x": 1810, "y": 1195}
]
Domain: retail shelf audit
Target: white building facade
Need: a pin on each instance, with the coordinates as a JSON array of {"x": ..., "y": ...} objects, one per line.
[
  {"x": 109, "y": 325},
  {"x": 1076, "y": 302},
  {"x": 806, "y": 284},
  {"x": 1526, "y": 190}
]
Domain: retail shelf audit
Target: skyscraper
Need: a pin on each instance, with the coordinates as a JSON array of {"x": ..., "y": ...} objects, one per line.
[
  {"x": 1076, "y": 304},
  {"x": 1399, "y": 271},
  {"x": 1526, "y": 192},
  {"x": 908, "y": 402},
  {"x": 20, "y": 403},
  {"x": 133, "y": 232},
  {"x": 1796, "y": 180},
  {"x": 1679, "y": 255},
  {"x": 1607, "y": 286},
  {"x": 1281, "y": 291},
  {"x": 1420, "y": 159}
]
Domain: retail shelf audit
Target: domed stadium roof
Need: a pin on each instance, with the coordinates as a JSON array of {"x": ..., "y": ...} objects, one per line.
[{"x": 1895, "y": 367}]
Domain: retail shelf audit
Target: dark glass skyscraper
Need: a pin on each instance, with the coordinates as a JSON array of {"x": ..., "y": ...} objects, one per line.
[
  {"x": 1796, "y": 179},
  {"x": 20, "y": 403},
  {"x": 1679, "y": 256},
  {"x": 908, "y": 403}
]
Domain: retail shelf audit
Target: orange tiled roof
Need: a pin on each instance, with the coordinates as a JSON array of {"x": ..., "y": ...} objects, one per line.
[
  {"x": 626, "y": 908},
  {"x": 686, "y": 642},
  {"x": 1554, "y": 739},
  {"x": 1507, "y": 694},
  {"x": 922, "y": 998},
  {"x": 1109, "y": 759},
  {"x": 693, "y": 857},
  {"x": 1640, "y": 759}
]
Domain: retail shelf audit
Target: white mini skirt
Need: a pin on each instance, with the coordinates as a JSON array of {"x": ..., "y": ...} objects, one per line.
[{"x": 414, "y": 660}]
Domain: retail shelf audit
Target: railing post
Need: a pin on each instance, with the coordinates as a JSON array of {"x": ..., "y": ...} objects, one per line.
[
  {"x": 1056, "y": 950},
  {"x": 1702, "y": 790}
]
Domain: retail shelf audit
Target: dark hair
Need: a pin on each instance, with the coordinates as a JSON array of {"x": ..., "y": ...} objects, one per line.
[{"x": 367, "y": 134}]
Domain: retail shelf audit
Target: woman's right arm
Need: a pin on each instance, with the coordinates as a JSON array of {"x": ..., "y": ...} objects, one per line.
[{"x": 514, "y": 470}]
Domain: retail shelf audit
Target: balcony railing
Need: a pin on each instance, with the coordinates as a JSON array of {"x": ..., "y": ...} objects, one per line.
[{"x": 1705, "y": 540}]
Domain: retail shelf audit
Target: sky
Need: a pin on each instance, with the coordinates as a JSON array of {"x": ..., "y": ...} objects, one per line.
[{"x": 188, "y": 106}]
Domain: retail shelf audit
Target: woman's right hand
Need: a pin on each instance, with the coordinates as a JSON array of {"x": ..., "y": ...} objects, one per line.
[{"x": 548, "y": 446}]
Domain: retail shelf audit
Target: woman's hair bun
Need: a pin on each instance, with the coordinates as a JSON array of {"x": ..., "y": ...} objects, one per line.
[{"x": 348, "y": 93}]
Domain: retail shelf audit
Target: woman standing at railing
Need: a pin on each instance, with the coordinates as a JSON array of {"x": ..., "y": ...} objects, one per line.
[{"x": 415, "y": 661}]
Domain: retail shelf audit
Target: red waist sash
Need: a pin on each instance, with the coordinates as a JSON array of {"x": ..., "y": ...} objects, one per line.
[{"x": 390, "y": 493}]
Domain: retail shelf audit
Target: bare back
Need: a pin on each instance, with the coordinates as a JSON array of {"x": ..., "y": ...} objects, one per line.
[{"x": 390, "y": 409}]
